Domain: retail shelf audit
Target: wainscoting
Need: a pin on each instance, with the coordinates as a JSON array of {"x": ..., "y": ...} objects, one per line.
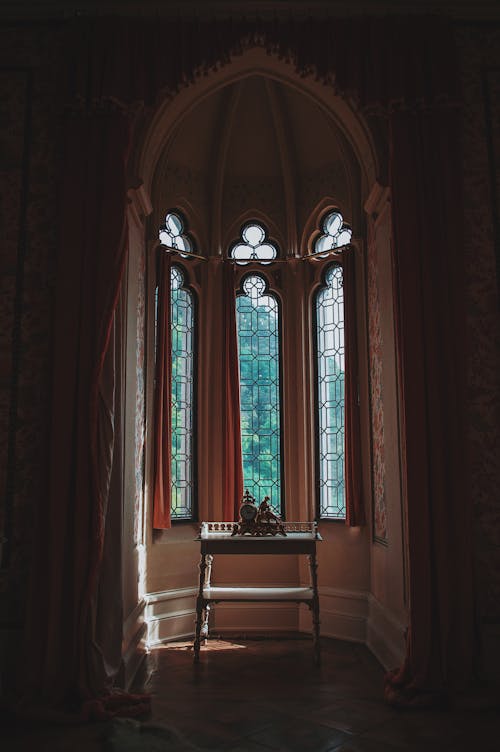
[{"x": 346, "y": 615}]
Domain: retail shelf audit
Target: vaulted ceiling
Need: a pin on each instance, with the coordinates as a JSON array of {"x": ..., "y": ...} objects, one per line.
[{"x": 259, "y": 146}]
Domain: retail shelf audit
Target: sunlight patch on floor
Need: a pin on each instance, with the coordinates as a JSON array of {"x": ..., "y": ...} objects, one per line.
[{"x": 209, "y": 645}]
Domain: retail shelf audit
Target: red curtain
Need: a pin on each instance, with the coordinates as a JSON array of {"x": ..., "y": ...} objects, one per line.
[
  {"x": 163, "y": 397},
  {"x": 233, "y": 465},
  {"x": 70, "y": 529},
  {"x": 355, "y": 511},
  {"x": 427, "y": 205}
]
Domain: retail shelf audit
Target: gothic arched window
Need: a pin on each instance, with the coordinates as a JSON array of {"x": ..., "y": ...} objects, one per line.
[
  {"x": 258, "y": 326},
  {"x": 182, "y": 312},
  {"x": 330, "y": 376}
]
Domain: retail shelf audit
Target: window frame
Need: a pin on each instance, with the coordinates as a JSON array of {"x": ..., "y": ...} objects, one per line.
[
  {"x": 254, "y": 268},
  {"x": 328, "y": 264},
  {"x": 187, "y": 286}
]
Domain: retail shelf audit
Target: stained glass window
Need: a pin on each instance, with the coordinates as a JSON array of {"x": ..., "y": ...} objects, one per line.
[
  {"x": 173, "y": 233},
  {"x": 257, "y": 316},
  {"x": 335, "y": 233},
  {"x": 329, "y": 304},
  {"x": 253, "y": 246},
  {"x": 182, "y": 459}
]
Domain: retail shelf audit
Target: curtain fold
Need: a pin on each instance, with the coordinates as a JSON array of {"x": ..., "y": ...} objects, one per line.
[
  {"x": 100, "y": 658},
  {"x": 233, "y": 463},
  {"x": 163, "y": 396},
  {"x": 70, "y": 529},
  {"x": 428, "y": 260},
  {"x": 355, "y": 511}
]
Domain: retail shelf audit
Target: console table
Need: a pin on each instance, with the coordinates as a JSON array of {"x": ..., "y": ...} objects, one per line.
[{"x": 218, "y": 538}]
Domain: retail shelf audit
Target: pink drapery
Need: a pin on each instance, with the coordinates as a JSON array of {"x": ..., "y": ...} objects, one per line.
[
  {"x": 404, "y": 64},
  {"x": 163, "y": 397},
  {"x": 233, "y": 464},
  {"x": 355, "y": 510}
]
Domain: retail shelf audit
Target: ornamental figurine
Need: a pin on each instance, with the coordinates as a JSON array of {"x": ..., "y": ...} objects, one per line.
[
  {"x": 257, "y": 521},
  {"x": 267, "y": 520}
]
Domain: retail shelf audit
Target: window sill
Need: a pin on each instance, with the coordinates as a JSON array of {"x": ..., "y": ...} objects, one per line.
[{"x": 180, "y": 532}]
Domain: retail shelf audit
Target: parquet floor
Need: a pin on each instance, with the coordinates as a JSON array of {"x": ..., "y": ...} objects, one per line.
[
  {"x": 249, "y": 695},
  {"x": 262, "y": 695}
]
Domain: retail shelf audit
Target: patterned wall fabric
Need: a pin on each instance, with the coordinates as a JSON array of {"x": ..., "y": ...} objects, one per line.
[
  {"x": 376, "y": 398},
  {"x": 30, "y": 122},
  {"x": 481, "y": 86},
  {"x": 140, "y": 398}
]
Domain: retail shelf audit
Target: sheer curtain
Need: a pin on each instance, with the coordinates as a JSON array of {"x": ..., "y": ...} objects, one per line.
[{"x": 233, "y": 463}]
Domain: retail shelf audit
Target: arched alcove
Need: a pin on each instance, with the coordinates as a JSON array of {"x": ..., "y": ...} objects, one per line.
[{"x": 253, "y": 140}]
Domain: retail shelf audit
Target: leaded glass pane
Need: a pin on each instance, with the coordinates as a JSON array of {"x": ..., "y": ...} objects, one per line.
[
  {"x": 330, "y": 395},
  {"x": 253, "y": 246},
  {"x": 182, "y": 458},
  {"x": 173, "y": 233},
  {"x": 335, "y": 233},
  {"x": 257, "y": 316}
]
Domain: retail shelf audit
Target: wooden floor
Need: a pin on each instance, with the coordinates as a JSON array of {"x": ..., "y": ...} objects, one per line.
[{"x": 261, "y": 695}]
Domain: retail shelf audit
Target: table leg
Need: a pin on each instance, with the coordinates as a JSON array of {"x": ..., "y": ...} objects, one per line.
[
  {"x": 204, "y": 626},
  {"x": 313, "y": 565},
  {"x": 206, "y": 614},
  {"x": 199, "y": 608}
]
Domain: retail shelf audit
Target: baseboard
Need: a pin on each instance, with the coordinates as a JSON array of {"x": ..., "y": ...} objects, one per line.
[
  {"x": 356, "y": 616},
  {"x": 342, "y": 613},
  {"x": 385, "y": 634},
  {"x": 170, "y": 615}
]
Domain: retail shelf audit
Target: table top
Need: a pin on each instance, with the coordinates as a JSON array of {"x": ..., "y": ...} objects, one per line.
[
  {"x": 295, "y": 531},
  {"x": 217, "y": 537}
]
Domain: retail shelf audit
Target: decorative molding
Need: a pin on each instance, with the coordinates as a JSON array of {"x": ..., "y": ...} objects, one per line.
[
  {"x": 377, "y": 202},
  {"x": 353, "y": 615},
  {"x": 219, "y": 165},
  {"x": 169, "y": 595},
  {"x": 285, "y": 149},
  {"x": 139, "y": 204},
  {"x": 343, "y": 614}
]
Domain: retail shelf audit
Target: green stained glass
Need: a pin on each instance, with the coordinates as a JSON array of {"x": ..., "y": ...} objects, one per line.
[
  {"x": 182, "y": 458},
  {"x": 257, "y": 316}
]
